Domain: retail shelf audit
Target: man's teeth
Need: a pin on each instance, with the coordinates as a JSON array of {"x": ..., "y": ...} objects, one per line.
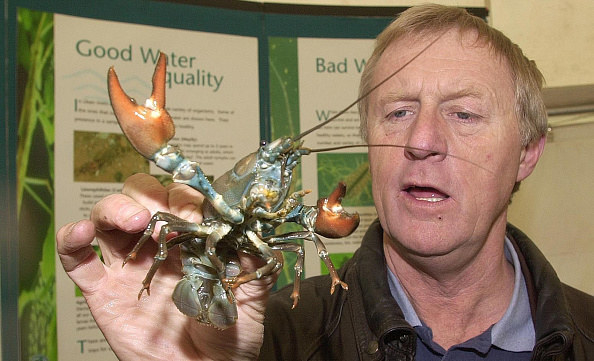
[
  {"x": 426, "y": 194},
  {"x": 433, "y": 198}
]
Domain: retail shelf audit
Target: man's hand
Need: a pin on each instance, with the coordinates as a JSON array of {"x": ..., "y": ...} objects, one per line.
[{"x": 152, "y": 327}]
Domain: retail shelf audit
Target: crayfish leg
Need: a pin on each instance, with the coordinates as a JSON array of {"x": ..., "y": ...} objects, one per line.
[
  {"x": 274, "y": 262},
  {"x": 172, "y": 224},
  {"x": 323, "y": 254},
  {"x": 217, "y": 233},
  {"x": 335, "y": 282},
  {"x": 300, "y": 252}
]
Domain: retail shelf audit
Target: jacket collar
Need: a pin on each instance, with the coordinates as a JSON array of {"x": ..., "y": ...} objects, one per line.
[
  {"x": 550, "y": 311},
  {"x": 553, "y": 323},
  {"x": 384, "y": 316}
]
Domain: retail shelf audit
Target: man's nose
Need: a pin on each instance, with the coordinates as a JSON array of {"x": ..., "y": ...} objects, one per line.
[{"x": 426, "y": 138}]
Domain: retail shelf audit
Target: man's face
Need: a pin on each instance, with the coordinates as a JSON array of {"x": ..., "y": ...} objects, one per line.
[{"x": 454, "y": 107}]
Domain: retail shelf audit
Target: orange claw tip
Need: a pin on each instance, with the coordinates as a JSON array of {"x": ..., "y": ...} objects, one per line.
[
  {"x": 147, "y": 126},
  {"x": 159, "y": 78},
  {"x": 332, "y": 220},
  {"x": 337, "y": 194}
]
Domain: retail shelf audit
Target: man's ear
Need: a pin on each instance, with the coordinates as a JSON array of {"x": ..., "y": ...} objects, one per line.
[{"x": 530, "y": 156}]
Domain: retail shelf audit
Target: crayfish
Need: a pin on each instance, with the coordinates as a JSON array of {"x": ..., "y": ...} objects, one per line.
[{"x": 244, "y": 204}]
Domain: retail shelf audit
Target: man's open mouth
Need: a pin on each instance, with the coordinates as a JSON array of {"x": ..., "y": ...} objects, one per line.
[{"x": 427, "y": 194}]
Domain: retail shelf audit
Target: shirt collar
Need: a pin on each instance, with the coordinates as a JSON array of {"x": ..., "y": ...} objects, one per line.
[{"x": 513, "y": 332}]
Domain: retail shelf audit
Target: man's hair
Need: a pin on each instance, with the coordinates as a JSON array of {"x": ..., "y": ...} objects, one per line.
[{"x": 427, "y": 20}]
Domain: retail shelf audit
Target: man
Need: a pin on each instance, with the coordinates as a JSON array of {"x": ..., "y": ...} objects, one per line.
[{"x": 440, "y": 275}]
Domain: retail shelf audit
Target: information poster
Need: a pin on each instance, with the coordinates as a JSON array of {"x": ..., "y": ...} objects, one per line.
[
  {"x": 212, "y": 97},
  {"x": 329, "y": 74},
  {"x": 311, "y": 80}
]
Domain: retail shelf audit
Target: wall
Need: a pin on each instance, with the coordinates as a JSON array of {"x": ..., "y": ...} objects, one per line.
[
  {"x": 558, "y": 35},
  {"x": 555, "y": 205}
]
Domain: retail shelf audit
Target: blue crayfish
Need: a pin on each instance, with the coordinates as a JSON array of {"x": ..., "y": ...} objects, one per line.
[{"x": 241, "y": 206}]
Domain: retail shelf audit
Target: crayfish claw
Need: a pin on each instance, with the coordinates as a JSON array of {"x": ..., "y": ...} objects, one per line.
[
  {"x": 131, "y": 256},
  {"x": 337, "y": 282},
  {"x": 332, "y": 220},
  {"x": 148, "y": 291},
  {"x": 295, "y": 298},
  {"x": 229, "y": 284},
  {"x": 147, "y": 126},
  {"x": 228, "y": 291}
]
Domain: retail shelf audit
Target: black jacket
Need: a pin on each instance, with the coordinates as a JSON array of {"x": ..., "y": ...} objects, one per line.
[{"x": 365, "y": 322}]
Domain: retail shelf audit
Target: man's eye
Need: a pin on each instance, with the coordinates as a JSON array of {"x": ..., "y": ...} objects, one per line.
[
  {"x": 464, "y": 115},
  {"x": 399, "y": 113}
]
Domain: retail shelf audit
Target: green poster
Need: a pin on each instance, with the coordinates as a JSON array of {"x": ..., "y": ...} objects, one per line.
[{"x": 35, "y": 182}]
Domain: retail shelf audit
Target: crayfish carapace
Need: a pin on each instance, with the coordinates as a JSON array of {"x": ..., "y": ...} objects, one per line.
[{"x": 246, "y": 202}]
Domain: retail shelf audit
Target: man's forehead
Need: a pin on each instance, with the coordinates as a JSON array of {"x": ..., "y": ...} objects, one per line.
[
  {"x": 456, "y": 66},
  {"x": 453, "y": 89}
]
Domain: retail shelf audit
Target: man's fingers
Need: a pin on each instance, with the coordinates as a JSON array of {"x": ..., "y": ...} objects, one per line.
[
  {"x": 118, "y": 220},
  {"x": 185, "y": 202},
  {"x": 119, "y": 212},
  {"x": 77, "y": 255},
  {"x": 146, "y": 190},
  {"x": 73, "y": 242}
]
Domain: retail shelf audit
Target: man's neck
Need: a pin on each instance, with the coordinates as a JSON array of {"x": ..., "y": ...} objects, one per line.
[{"x": 457, "y": 303}]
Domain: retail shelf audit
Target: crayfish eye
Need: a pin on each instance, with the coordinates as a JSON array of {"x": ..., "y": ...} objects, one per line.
[{"x": 263, "y": 143}]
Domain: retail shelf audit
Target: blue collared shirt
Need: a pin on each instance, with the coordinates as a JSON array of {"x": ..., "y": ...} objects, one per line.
[{"x": 511, "y": 338}]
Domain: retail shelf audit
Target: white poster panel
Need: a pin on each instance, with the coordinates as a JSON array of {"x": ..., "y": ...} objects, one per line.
[
  {"x": 212, "y": 97},
  {"x": 329, "y": 74}
]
